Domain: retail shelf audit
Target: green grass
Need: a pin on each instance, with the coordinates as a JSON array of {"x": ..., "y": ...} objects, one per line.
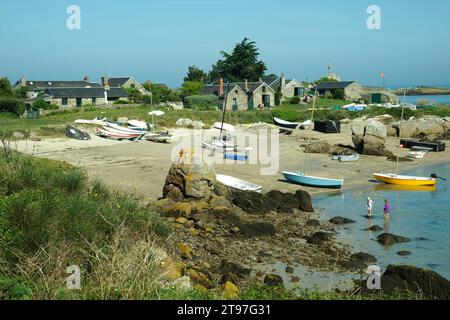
[
  {"x": 51, "y": 217},
  {"x": 54, "y": 124}
]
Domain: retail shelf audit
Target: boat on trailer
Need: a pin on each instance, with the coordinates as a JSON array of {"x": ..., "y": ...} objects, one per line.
[
  {"x": 238, "y": 184},
  {"x": 313, "y": 181}
]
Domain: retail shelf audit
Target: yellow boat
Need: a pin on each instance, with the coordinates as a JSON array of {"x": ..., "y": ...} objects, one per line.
[
  {"x": 393, "y": 187},
  {"x": 396, "y": 179}
]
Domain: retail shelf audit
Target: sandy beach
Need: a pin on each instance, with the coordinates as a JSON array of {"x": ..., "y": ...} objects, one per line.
[{"x": 142, "y": 166}]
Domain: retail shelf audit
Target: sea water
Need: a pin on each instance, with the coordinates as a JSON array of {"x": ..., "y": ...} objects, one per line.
[
  {"x": 422, "y": 216},
  {"x": 436, "y": 99}
]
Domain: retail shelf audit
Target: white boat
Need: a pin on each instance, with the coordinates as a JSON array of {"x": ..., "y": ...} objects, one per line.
[
  {"x": 285, "y": 124},
  {"x": 124, "y": 129},
  {"x": 216, "y": 146},
  {"x": 136, "y": 124},
  {"x": 238, "y": 184},
  {"x": 349, "y": 158},
  {"x": 416, "y": 154},
  {"x": 226, "y": 127},
  {"x": 156, "y": 113},
  {"x": 97, "y": 120}
]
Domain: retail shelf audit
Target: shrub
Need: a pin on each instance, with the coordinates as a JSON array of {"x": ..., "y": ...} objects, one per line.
[
  {"x": 295, "y": 100},
  {"x": 13, "y": 105},
  {"x": 120, "y": 101},
  {"x": 339, "y": 94},
  {"x": 203, "y": 102},
  {"x": 45, "y": 105}
]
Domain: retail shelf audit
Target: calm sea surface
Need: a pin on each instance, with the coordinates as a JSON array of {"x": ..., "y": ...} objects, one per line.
[
  {"x": 441, "y": 99},
  {"x": 422, "y": 216}
]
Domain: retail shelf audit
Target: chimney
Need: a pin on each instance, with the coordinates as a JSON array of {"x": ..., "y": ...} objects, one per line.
[
  {"x": 260, "y": 80},
  {"x": 23, "y": 82},
  {"x": 105, "y": 82},
  {"x": 282, "y": 82},
  {"x": 246, "y": 85},
  {"x": 86, "y": 78},
  {"x": 220, "y": 87}
]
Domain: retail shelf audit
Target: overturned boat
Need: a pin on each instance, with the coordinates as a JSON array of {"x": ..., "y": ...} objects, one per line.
[{"x": 78, "y": 134}]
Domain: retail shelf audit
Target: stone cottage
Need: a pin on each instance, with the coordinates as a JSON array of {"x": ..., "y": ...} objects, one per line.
[
  {"x": 242, "y": 95},
  {"x": 288, "y": 88}
]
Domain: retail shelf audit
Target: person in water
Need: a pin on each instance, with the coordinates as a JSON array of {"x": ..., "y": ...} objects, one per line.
[
  {"x": 369, "y": 207},
  {"x": 386, "y": 209}
]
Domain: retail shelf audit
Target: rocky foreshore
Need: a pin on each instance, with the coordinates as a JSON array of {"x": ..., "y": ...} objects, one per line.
[{"x": 222, "y": 236}]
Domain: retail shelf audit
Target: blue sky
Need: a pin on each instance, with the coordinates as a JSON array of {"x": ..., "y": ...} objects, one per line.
[{"x": 158, "y": 40}]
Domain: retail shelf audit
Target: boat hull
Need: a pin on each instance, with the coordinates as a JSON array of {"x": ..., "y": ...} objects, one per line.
[
  {"x": 285, "y": 124},
  {"x": 404, "y": 180},
  {"x": 238, "y": 184},
  {"x": 311, "y": 181}
]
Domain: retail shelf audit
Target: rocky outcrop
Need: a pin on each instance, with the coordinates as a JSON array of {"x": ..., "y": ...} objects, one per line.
[
  {"x": 428, "y": 128},
  {"x": 319, "y": 237},
  {"x": 375, "y": 128},
  {"x": 429, "y": 283},
  {"x": 257, "y": 203},
  {"x": 387, "y": 239},
  {"x": 369, "y": 137},
  {"x": 189, "y": 177},
  {"x": 358, "y": 261}
]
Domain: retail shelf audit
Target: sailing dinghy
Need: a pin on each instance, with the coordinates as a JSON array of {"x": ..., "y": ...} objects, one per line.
[
  {"x": 396, "y": 179},
  {"x": 304, "y": 179}
]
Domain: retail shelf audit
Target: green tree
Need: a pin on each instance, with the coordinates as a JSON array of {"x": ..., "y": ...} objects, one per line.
[
  {"x": 196, "y": 74},
  {"x": 6, "y": 89},
  {"x": 160, "y": 92},
  {"x": 325, "y": 79},
  {"x": 191, "y": 88},
  {"x": 134, "y": 95},
  {"x": 241, "y": 64}
]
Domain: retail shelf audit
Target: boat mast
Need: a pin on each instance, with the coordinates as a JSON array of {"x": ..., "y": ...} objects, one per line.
[
  {"x": 399, "y": 131},
  {"x": 224, "y": 109},
  {"x": 309, "y": 132}
]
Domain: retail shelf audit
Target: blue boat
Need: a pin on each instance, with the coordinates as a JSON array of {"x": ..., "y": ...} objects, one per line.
[
  {"x": 311, "y": 181},
  {"x": 236, "y": 156}
]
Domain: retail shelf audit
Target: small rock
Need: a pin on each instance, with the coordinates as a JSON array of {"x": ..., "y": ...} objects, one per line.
[
  {"x": 181, "y": 220},
  {"x": 389, "y": 238},
  {"x": 273, "y": 280},
  {"x": 200, "y": 277},
  {"x": 18, "y": 135},
  {"x": 185, "y": 251},
  {"x": 295, "y": 279},
  {"x": 403, "y": 253},
  {"x": 319, "y": 237},
  {"x": 313, "y": 223},
  {"x": 374, "y": 228},
  {"x": 363, "y": 257},
  {"x": 183, "y": 283},
  {"x": 289, "y": 269},
  {"x": 181, "y": 209},
  {"x": 234, "y": 230},
  {"x": 341, "y": 220}
]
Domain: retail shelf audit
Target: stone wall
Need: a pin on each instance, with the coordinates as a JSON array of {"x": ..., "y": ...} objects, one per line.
[{"x": 72, "y": 102}]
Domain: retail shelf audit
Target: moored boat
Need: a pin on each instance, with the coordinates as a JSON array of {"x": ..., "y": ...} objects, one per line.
[
  {"x": 396, "y": 179},
  {"x": 312, "y": 181}
]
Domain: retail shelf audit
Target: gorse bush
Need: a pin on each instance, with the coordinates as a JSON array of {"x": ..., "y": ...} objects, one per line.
[
  {"x": 202, "y": 102},
  {"x": 13, "y": 105},
  {"x": 52, "y": 217}
]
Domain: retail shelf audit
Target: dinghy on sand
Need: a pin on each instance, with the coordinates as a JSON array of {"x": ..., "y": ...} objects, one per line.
[
  {"x": 238, "y": 184},
  {"x": 76, "y": 133},
  {"x": 104, "y": 133},
  {"x": 312, "y": 181}
]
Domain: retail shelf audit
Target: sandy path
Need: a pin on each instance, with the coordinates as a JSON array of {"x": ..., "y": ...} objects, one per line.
[{"x": 142, "y": 166}]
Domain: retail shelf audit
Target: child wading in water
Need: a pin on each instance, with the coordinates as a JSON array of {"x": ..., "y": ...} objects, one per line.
[
  {"x": 386, "y": 209},
  {"x": 369, "y": 207}
]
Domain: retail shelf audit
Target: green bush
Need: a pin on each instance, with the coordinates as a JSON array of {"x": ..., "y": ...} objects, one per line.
[
  {"x": 202, "y": 102},
  {"x": 295, "y": 100},
  {"x": 45, "y": 105},
  {"x": 339, "y": 94},
  {"x": 13, "y": 105},
  {"x": 120, "y": 101}
]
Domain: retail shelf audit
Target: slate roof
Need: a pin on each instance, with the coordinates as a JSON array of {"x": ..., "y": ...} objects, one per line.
[
  {"x": 86, "y": 93},
  {"x": 214, "y": 89},
  {"x": 117, "y": 82},
  {"x": 333, "y": 85},
  {"x": 42, "y": 85}
]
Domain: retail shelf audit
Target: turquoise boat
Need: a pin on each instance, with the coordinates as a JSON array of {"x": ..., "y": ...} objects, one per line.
[{"x": 311, "y": 181}]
